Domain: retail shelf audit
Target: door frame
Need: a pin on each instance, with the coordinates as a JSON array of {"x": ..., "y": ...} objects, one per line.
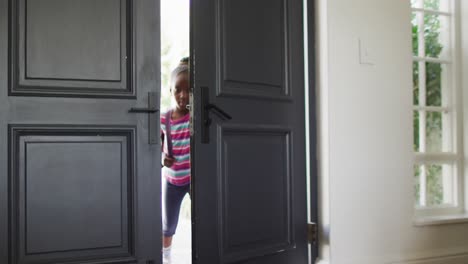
[{"x": 313, "y": 102}]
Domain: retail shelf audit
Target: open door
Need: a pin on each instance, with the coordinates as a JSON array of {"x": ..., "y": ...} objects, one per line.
[
  {"x": 79, "y": 140},
  {"x": 249, "y": 161}
]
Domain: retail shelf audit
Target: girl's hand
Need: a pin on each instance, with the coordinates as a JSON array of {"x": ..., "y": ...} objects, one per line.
[{"x": 168, "y": 161}]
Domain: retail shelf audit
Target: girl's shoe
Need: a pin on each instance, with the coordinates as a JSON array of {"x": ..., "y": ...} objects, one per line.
[{"x": 166, "y": 252}]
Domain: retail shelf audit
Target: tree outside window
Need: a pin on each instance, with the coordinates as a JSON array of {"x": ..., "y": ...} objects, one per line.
[{"x": 434, "y": 183}]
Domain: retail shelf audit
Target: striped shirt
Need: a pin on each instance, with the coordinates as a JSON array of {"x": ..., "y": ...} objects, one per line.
[{"x": 179, "y": 173}]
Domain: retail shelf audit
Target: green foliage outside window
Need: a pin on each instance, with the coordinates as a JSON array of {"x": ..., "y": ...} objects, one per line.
[{"x": 433, "y": 48}]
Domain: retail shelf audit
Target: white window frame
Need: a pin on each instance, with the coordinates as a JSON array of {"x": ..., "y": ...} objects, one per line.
[{"x": 453, "y": 105}]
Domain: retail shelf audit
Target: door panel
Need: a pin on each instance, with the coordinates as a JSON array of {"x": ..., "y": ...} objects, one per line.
[
  {"x": 66, "y": 47},
  {"x": 73, "y": 193},
  {"x": 239, "y": 46},
  {"x": 250, "y": 179},
  {"x": 268, "y": 227},
  {"x": 68, "y": 24},
  {"x": 236, "y": 47},
  {"x": 79, "y": 177}
]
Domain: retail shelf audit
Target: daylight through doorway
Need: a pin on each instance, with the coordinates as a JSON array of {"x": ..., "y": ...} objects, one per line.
[{"x": 175, "y": 27}]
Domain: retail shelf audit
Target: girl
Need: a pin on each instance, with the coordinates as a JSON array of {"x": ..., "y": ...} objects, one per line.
[{"x": 176, "y": 155}]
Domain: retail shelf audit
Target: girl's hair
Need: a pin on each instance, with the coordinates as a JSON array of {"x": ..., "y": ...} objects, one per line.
[{"x": 183, "y": 67}]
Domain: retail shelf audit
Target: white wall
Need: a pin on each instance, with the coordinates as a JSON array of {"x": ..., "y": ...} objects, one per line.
[{"x": 366, "y": 168}]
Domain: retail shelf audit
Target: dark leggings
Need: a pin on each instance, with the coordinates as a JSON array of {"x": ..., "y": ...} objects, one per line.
[{"x": 172, "y": 196}]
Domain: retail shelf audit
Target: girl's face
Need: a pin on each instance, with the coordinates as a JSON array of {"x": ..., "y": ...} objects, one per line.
[{"x": 181, "y": 91}]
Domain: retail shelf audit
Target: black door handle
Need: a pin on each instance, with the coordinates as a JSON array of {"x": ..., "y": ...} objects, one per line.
[
  {"x": 153, "y": 122},
  {"x": 143, "y": 110},
  {"x": 218, "y": 111},
  {"x": 207, "y": 108}
]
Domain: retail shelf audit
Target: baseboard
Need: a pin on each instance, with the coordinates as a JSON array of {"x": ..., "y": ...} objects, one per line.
[{"x": 449, "y": 259}]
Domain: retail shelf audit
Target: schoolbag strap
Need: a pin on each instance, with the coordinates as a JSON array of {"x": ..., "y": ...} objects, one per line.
[{"x": 168, "y": 133}]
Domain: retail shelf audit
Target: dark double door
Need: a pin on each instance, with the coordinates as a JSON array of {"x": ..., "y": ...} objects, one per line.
[{"x": 79, "y": 172}]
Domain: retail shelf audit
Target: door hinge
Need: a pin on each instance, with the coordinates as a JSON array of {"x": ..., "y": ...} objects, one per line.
[{"x": 312, "y": 233}]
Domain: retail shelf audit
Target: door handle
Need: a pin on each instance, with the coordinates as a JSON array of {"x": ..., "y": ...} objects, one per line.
[
  {"x": 207, "y": 107},
  {"x": 153, "y": 138},
  {"x": 143, "y": 110},
  {"x": 218, "y": 111}
]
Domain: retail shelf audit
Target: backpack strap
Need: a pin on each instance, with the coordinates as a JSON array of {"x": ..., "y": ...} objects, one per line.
[{"x": 168, "y": 133}]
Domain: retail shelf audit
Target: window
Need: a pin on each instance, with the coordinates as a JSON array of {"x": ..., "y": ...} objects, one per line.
[{"x": 437, "y": 122}]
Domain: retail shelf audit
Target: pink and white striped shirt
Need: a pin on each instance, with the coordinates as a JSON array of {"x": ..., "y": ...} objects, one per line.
[{"x": 179, "y": 173}]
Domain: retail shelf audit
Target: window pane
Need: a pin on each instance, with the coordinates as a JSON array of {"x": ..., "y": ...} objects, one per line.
[
  {"x": 417, "y": 186},
  {"x": 438, "y": 132},
  {"x": 416, "y": 131},
  {"x": 440, "y": 183},
  {"x": 434, "y": 185},
  {"x": 433, "y": 84},
  {"x": 437, "y": 36},
  {"x": 433, "y": 132},
  {"x": 432, "y": 4},
  {"x": 414, "y": 29},
  {"x": 416, "y": 3},
  {"x": 440, "y": 5},
  {"x": 437, "y": 84},
  {"x": 415, "y": 83}
]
